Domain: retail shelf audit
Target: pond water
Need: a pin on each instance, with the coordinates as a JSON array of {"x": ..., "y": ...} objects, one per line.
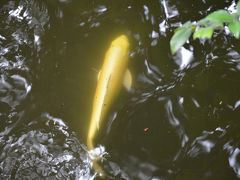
[{"x": 180, "y": 120}]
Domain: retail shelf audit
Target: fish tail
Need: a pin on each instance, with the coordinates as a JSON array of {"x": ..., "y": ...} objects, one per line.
[{"x": 90, "y": 144}]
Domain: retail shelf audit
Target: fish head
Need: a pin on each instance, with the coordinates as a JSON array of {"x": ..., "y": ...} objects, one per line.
[{"x": 121, "y": 42}]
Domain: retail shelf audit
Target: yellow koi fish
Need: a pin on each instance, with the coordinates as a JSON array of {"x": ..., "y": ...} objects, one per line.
[{"x": 110, "y": 79}]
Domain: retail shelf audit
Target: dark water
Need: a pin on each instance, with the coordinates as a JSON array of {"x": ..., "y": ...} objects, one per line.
[{"x": 181, "y": 120}]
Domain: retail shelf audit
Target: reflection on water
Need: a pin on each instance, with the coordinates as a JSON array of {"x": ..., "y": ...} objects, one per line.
[
  {"x": 179, "y": 121},
  {"x": 43, "y": 149}
]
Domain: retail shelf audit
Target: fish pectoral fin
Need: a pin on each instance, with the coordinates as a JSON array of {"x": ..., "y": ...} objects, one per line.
[
  {"x": 97, "y": 125},
  {"x": 127, "y": 80},
  {"x": 99, "y": 74}
]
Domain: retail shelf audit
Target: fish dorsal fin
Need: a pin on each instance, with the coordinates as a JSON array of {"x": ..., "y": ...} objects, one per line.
[{"x": 127, "y": 80}]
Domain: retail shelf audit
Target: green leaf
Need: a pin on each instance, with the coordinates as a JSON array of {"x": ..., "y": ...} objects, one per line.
[
  {"x": 207, "y": 23},
  {"x": 187, "y": 24},
  {"x": 203, "y": 33},
  {"x": 181, "y": 35},
  {"x": 234, "y": 28},
  {"x": 221, "y": 16},
  {"x": 203, "y": 22}
]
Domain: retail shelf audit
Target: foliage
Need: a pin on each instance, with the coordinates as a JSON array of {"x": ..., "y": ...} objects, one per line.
[{"x": 204, "y": 28}]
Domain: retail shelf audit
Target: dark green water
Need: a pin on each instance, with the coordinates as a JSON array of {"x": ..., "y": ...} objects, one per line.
[{"x": 181, "y": 120}]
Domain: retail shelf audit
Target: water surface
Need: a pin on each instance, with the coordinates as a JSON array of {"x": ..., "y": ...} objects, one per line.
[{"x": 180, "y": 121}]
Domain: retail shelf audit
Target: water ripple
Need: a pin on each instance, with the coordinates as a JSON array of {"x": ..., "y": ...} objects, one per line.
[{"x": 44, "y": 153}]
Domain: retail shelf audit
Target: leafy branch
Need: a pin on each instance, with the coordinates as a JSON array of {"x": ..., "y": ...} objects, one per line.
[{"x": 204, "y": 28}]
